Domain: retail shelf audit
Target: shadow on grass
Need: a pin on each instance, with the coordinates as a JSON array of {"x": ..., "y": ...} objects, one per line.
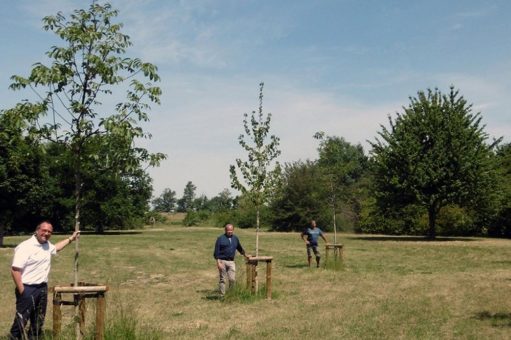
[
  {"x": 210, "y": 295},
  {"x": 410, "y": 238},
  {"x": 334, "y": 265},
  {"x": 301, "y": 265},
  {"x": 112, "y": 232},
  {"x": 500, "y": 319},
  {"x": 237, "y": 294},
  {"x": 502, "y": 262}
]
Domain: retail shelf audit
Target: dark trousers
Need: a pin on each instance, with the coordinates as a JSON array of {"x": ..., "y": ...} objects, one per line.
[{"x": 30, "y": 306}]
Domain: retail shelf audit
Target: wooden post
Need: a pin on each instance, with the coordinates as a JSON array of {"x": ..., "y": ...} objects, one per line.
[
  {"x": 337, "y": 249},
  {"x": 268, "y": 280},
  {"x": 249, "y": 274},
  {"x": 100, "y": 316},
  {"x": 253, "y": 277},
  {"x": 57, "y": 313},
  {"x": 81, "y": 311},
  {"x": 80, "y": 294},
  {"x": 252, "y": 263}
]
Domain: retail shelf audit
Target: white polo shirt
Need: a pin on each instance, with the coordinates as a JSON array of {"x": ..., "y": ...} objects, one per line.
[{"x": 34, "y": 260}]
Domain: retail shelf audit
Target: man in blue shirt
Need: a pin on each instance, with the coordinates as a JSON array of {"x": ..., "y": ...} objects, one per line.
[
  {"x": 310, "y": 236},
  {"x": 225, "y": 250}
]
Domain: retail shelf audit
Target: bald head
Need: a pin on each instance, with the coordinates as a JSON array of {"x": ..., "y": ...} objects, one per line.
[
  {"x": 43, "y": 231},
  {"x": 229, "y": 229}
]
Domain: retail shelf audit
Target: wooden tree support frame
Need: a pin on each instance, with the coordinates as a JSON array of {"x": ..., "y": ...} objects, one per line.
[
  {"x": 252, "y": 263},
  {"x": 80, "y": 293},
  {"x": 337, "y": 251}
]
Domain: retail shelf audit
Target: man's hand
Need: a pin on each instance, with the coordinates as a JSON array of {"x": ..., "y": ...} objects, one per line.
[
  {"x": 75, "y": 235},
  {"x": 219, "y": 265},
  {"x": 16, "y": 276}
]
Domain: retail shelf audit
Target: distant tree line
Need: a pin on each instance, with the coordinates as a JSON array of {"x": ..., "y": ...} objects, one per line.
[
  {"x": 36, "y": 182},
  {"x": 432, "y": 171}
]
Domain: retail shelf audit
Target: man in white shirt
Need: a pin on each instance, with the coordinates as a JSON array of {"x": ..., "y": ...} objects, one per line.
[{"x": 30, "y": 269}]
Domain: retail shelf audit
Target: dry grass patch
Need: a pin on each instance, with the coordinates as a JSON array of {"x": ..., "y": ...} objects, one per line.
[{"x": 387, "y": 288}]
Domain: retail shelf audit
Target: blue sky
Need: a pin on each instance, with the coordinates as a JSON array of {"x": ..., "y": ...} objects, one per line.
[{"x": 335, "y": 66}]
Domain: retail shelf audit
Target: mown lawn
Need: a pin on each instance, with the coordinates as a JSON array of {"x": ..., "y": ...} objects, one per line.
[{"x": 164, "y": 278}]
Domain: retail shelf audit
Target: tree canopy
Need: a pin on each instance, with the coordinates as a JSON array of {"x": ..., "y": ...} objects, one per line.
[
  {"x": 89, "y": 67},
  {"x": 166, "y": 202},
  {"x": 433, "y": 154}
]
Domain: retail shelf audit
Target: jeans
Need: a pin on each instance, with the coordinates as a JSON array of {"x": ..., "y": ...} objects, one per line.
[{"x": 30, "y": 306}]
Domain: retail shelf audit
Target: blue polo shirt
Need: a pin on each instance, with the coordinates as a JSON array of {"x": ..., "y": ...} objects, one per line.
[
  {"x": 312, "y": 235},
  {"x": 225, "y": 247}
]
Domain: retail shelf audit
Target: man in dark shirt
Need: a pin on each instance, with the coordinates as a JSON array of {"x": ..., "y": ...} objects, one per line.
[{"x": 225, "y": 249}]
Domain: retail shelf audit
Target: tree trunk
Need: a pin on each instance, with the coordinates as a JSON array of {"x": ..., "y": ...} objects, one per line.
[
  {"x": 432, "y": 213},
  {"x": 77, "y": 194},
  {"x": 257, "y": 231},
  {"x": 333, "y": 208}
]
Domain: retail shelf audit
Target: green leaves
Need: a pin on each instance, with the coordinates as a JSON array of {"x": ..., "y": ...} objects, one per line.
[
  {"x": 260, "y": 172},
  {"x": 434, "y": 154},
  {"x": 82, "y": 73}
]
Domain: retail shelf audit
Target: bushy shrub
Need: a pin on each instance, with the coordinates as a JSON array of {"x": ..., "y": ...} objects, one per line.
[
  {"x": 454, "y": 220},
  {"x": 195, "y": 217}
]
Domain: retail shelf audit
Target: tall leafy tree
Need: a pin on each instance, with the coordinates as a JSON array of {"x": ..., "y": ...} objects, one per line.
[
  {"x": 26, "y": 189},
  {"x": 185, "y": 203},
  {"x": 300, "y": 197},
  {"x": 221, "y": 202},
  {"x": 433, "y": 154},
  {"x": 260, "y": 173},
  {"x": 82, "y": 75},
  {"x": 166, "y": 202},
  {"x": 341, "y": 165},
  {"x": 501, "y": 224}
]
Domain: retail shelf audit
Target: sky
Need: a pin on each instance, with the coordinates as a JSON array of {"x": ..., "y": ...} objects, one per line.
[{"x": 337, "y": 66}]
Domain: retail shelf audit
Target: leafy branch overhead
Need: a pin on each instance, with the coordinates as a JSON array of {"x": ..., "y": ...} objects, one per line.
[{"x": 74, "y": 89}]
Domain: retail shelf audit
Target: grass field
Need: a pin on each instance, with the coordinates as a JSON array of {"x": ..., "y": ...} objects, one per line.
[{"x": 163, "y": 279}]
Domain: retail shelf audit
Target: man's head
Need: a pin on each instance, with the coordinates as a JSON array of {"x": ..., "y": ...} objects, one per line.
[
  {"x": 43, "y": 231},
  {"x": 229, "y": 230},
  {"x": 313, "y": 224}
]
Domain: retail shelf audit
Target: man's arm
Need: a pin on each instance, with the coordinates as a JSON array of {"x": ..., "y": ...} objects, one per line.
[
  {"x": 323, "y": 237},
  {"x": 216, "y": 254},
  {"x": 62, "y": 244},
  {"x": 240, "y": 249},
  {"x": 303, "y": 235},
  {"x": 16, "y": 277}
]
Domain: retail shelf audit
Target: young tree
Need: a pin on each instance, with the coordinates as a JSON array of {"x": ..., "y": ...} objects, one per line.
[
  {"x": 80, "y": 76},
  {"x": 435, "y": 153},
  {"x": 260, "y": 173},
  {"x": 166, "y": 202}
]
